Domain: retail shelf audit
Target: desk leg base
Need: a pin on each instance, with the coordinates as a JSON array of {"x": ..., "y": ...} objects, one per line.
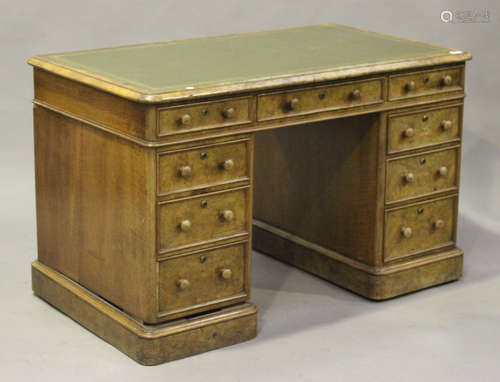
[
  {"x": 373, "y": 283},
  {"x": 146, "y": 344}
]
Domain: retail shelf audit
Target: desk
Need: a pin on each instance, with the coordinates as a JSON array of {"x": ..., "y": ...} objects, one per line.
[{"x": 158, "y": 166}]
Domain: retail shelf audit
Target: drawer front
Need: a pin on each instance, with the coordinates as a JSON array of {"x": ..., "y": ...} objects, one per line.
[
  {"x": 419, "y": 228},
  {"x": 203, "y": 166},
  {"x": 189, "y": 282},
  {"x": 202, "y": 219},
  {"x": 422, "y": 174},
  {"x": 296, "y": 102},
  {"x": 422, "y": 129},
  {"x": 422, "y": 83},
  {"x": 206, "y": 115}
]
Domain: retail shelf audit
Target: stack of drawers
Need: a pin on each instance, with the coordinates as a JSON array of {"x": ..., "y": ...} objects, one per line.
[
  {"x": 204, "y": 199},
  {"x": 422, "y": 168}
]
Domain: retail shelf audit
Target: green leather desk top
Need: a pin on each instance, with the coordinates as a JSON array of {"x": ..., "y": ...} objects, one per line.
[{"x": 223, "y": 64}]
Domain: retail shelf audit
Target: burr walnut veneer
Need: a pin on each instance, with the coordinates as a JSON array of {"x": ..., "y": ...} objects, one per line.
[{"x": 159, "y": 166}]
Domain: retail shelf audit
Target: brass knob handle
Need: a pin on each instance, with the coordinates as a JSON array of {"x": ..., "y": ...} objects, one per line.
[
  {"x": 446, "y": 80},
  {"x": 406, "y": 232},
  {"x": 185, "y": 225},
  {"x": 446, "y": 125},
  {"x": 228, "y": 112},
  {"x": 228, "y": 164},
  {"x": 410, "y": 86},
  {"x": 409, "y": 178},
  {"x": 183, "y": 284},
  {"x": 292, "y": 104},
  {"x": 409, "y": 132},
  {"x": 438, "y": 224},
  {"x": 226, "y": 274},
  {"x": 355, "y": 94},
  {"x": 185, "y": 171},
  {"x": 185, "y": 119},
  {"x": 443, "y": 171},
  {"x": 227, "y": 215}
]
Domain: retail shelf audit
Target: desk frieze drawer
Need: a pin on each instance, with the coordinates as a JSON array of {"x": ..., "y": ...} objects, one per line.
[
  {"x": 321, "y": 98},
  {"x": 203, "y": 166},
  {"x": 203, "y": 219},
  {"x": 423, "y": 128},
  {"x": 419, "y": 228},
  {"x": 422, "y": 174},
  {"x": 203, "y": 280},
  {"x": 203, "y": 116},
  {"x": 427, "y": 82}
]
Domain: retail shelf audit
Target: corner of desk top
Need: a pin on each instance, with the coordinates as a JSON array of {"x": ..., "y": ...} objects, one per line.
[{"x": 43, "y": 63}]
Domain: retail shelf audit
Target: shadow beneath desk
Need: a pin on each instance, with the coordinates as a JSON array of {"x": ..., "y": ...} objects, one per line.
[
  {"x": 482, "y": 251},
  {"x": 291, "y": 300}
]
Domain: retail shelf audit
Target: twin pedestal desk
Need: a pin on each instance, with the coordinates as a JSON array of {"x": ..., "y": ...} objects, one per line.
[{"x": 159, "y": 167}]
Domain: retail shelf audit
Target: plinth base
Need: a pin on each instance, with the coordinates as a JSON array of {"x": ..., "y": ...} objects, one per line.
[
  {"x": 373, "y": 283},
  {"x": 146, "y": 344}
]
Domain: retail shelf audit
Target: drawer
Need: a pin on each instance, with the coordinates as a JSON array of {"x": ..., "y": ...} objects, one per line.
[
  {"x": 421, "y": 174},
  {"x": 203, "y": 219},
  {"x": 419, "y": 228},
  {"x": 201, "y": 280},
  {"x": 203, "y": 166},
  {"x": 323, "y": 98},
  {"x": 427, "y": 82},
  {"x": 423, "y": 128},
  {"x": 205, "y": 115}
]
